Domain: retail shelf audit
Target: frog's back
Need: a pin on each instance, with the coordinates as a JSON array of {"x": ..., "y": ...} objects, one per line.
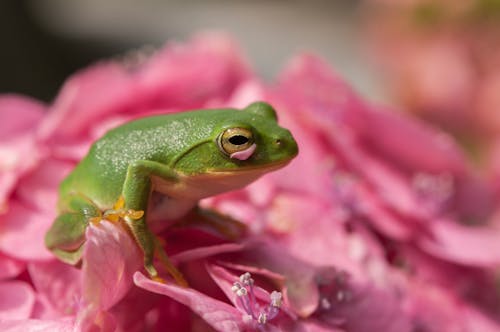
[{"x": 100, "y": 175}]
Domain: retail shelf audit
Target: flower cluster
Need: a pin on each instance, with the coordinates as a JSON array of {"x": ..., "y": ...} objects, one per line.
[{"x": 380, "y": 223}]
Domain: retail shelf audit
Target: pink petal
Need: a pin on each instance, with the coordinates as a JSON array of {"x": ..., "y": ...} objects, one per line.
[
  {"x": 73, "y": 112},
  {"x": 93, "y": 320},
  {"x": 17, "y": 301},
  {"x": 18, "y": 115},
  {"x": 19, "y": 118},
  {"x": 469, "y": 245},
  {"x": 40, "y": 187},
  {"x": 410, "y": 143},
  {"x": 22, "y": 232},
  {"x": 9, "y": 267},
  {"x": 110, "y": 258},
  {"x": 59, "y": 284},
  {"x": 221, "y": 316},
  {"x": 37, "y": 325},
  {"x": 309, "y": 83},
  {"x": 369, "y": 309},
  {"x": 171, "y": 78}
]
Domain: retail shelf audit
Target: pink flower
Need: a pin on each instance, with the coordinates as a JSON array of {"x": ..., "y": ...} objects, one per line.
[{"x": 364, "y": 231}]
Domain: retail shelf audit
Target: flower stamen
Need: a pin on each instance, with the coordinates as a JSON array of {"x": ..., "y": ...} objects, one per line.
[{"x": 253, "y": 311}]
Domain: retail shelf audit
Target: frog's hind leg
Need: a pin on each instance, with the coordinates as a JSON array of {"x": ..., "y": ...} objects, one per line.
[
  {"x": 221, "y": 223},
  {"x": 66, "y": 236}
]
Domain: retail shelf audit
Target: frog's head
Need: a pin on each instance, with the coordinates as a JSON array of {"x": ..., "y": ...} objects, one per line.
[{"x": 241, "y": 146}]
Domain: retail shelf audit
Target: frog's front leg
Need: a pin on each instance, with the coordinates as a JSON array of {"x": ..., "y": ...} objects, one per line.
[
  {"x": 136, "y": 192},
  {"x": 66, "y": 236}
]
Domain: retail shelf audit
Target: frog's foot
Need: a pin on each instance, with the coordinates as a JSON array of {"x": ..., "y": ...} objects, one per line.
[
  {"x": 69, "y": 257},
  {"x": 223, "y": 224},
  {"x": 118, "y": 213},
  {"x": 167, "y": 264}
]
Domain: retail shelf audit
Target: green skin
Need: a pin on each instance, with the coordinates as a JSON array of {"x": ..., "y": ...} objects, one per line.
[{"x": 178, "y": 155}]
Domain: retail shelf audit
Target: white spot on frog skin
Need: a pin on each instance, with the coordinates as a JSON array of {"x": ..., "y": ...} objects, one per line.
[{"x": 245, "y": 154}]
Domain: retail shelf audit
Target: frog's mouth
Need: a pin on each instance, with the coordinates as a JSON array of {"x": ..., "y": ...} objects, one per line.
[{"x": 270, "y": 167}]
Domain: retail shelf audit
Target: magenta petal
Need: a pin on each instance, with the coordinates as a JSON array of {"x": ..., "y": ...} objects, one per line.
[
  {"x": 109, "y": 260},
  {"x": 17, "y": 300},
  {"x": 221, "y": 316},
  {"x": 204, "y": 252},
  {"x": 21, "y": 232},
  {"x": 369, "y": 309}
]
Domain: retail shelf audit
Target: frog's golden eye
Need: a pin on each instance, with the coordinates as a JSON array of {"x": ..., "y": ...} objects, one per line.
[{"x": 235, "y": 140}]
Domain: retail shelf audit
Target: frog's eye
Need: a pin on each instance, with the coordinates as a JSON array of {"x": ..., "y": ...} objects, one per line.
[{"x": 237, "y": 143}]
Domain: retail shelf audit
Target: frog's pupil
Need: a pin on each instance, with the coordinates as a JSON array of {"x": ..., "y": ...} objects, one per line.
[{"x": 238, "y": 140}]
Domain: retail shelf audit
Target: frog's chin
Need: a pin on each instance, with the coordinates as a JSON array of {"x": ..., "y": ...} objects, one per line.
[{"x": 216, "y": 182}]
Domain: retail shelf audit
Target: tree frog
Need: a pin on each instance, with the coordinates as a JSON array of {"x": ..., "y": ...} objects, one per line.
[{"x": 185, "y": 156}]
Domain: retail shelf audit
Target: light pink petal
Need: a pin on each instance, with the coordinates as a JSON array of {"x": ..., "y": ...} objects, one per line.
[
  {"x": 18, "y": 115},
  {"x": 59, "y": 284},
  {"x": 309, "y": 83},
  {"x": 22, "y": 232},
  {"x": 389, "y": 184},
  {"x": 221, "y": 316},
  {"x": 40, "y": 187},
  {"x": 43, "y": 309},
  {"x": 94, "y": 320},
  {"x": 37, "y": 325},
  {"x": 291, "y": 216},
  {"x": 10, "y": 267},
  {"x": 171, "y": 78},
  {"x": 478, "y": 321},
  {"x": 17, "y": 300},
  {"x": 408, "y": 142},
  {"x": 381, "y": 218},
  {"x": 14, "y": 163},
  {"x": 469, "y": 245},
  {"x": 19, "y": 118},
  {"x": 110, "y": 259},
  {"x": 74, "y": 112}
]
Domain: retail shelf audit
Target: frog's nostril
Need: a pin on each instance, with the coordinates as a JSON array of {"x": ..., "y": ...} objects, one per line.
[{"x": 278, "y": 142}]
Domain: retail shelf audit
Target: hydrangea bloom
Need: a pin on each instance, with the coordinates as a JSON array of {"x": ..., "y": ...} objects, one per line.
[{"x": 364, "y": 231}]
